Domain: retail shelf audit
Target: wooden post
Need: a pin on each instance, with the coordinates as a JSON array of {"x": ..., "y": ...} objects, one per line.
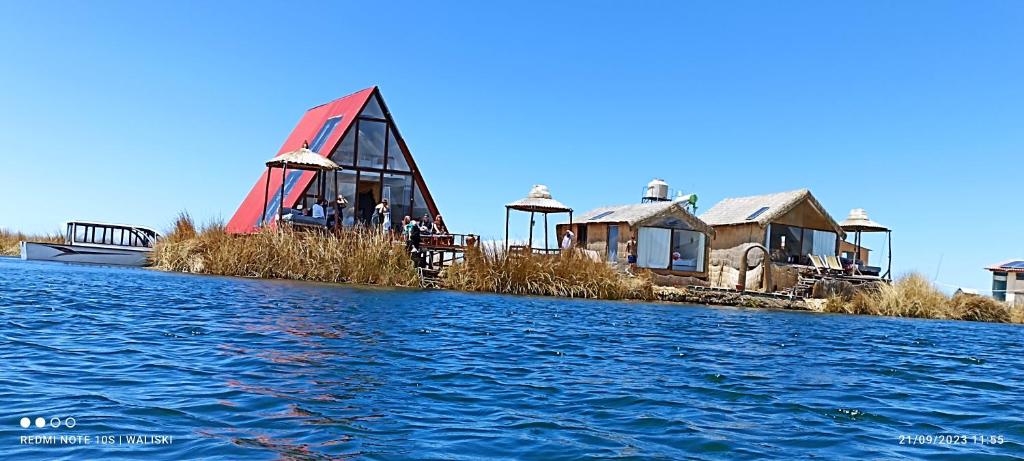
[
  {"x": 266, "y": 198},
  {"x": 355, "y": 198},
  {"x": 856, "y": 251},
  {"x": 531, "y": 231},
  {"x": 338, "y": 211},
  {"x": 280, "y": 209},
  {"x": 506, "y": 227},
  {"x": 888, "y": 270},
  {"x": 575, "y": 234},
  {"x": 546, "y": 233}
]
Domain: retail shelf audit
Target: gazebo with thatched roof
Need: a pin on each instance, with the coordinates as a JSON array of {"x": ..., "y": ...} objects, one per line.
[
  {"x": 537, "y": 201},
  {"x": 858, "y": 222},
  {"x": 301, "y": 159}
]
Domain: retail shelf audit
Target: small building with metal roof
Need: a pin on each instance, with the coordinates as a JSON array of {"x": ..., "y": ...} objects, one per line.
[
  {"x": 1008, "y": 281},
  {"x": 669, "y": 238}
]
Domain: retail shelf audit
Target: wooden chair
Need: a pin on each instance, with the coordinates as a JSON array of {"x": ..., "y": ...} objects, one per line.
[
  {"x": 820, "y": 267},
  {"x": 834, "y": 265},
  {"x": 518, "y": 251}
]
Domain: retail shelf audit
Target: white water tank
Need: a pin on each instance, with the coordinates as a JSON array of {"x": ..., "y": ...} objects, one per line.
[{"x": 657, "y": 190}]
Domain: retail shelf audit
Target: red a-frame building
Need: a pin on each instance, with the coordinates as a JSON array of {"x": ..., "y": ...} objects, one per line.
[{"x": 358, "y": 133}]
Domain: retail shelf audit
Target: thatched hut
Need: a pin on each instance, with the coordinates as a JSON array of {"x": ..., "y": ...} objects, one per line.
[
  {"x": 791, "y": 225},
  {"x": 670, "y": 240}
]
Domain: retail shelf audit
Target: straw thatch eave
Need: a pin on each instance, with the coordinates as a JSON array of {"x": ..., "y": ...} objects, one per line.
[
  {"x": 539, "y": 200},
  {"x": 778, "y": 209},
  {"x": 678, "y": 210},
  {"x": 302, "y": 159},
  {"x": 640, "y": 213}
]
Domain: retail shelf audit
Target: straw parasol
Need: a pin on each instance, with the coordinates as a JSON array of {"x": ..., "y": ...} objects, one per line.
[
  {"x": 859, "y": 222},
  {"x": 537, "y": 201},
  {"x": 300, "y": 159}
]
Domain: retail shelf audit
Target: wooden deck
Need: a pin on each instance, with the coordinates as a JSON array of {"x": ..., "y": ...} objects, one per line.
[{"x": 440, "y": 251}]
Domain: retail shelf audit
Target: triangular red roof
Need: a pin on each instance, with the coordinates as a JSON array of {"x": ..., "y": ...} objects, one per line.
[{"x": 247, "y": 218}]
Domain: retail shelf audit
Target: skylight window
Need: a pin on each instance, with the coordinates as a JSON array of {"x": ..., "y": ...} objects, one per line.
[
  {"x": 599, "y": 216},
  {"x": 757, "y": 213},
  {"x": 1013, "y": 265},
  {"x": 323, "y": 134}
]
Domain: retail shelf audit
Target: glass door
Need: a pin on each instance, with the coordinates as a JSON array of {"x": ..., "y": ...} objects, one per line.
[{"x": 613, "y": 242}]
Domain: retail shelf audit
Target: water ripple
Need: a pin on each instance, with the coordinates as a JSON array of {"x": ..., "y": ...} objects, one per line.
[{"x": 251, "y": 369}]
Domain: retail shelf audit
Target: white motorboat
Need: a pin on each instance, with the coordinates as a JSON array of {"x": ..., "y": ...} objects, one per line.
[{"x": 96, "y": 243}]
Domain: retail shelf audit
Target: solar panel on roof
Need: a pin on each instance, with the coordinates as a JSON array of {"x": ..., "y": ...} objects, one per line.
[
  {"x": 1013, "y": 265},
  {"x": 606, "y": 213},
  {"x": 757, "y": 213}
]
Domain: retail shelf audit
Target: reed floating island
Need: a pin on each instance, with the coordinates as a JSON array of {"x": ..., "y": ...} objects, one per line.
[{"x": 344, "y": 202}]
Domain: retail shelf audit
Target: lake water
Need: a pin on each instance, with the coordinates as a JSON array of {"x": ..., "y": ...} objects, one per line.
[{"x": 225, "y": 368}]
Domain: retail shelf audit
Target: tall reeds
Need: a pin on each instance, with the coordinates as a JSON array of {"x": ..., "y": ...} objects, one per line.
[
  {"x": 570, "y": 274},
  {"x": 366, "y": 257},
  {"x": 914, "y": 296},
  {"x": 349, "y": 257},
  {"x": 10, "y": 241}
]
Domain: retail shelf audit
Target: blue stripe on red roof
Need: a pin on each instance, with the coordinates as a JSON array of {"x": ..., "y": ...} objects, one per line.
[{"x": 247, "y": 218}]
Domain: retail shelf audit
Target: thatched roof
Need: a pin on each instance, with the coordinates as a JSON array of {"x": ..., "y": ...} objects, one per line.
[
  {"x": 303, "y": 159},
  {"x": 763, "y": 209},
  {"x": 638, "y": 213},
  {"x": 858, "y": 221},
  {"x": 539, "y": 200}
]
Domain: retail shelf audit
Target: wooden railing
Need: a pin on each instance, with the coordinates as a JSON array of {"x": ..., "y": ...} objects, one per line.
[
  {"x": 523, "y": 249},
  {"x": 449, "y": 241}
]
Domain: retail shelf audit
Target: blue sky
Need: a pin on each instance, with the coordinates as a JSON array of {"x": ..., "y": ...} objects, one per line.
[{"x": 133, "y": 111}]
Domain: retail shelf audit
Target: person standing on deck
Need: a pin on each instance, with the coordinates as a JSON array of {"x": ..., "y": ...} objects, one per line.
[
  {"x": 414, "y": 238},
  {"x": 412, "y": 243},
  {"x": 567, "y": 240},
  {"x": 406, "y": 226},
  {"x": 631, "y": 251},
  {"x": 383, "y": 214},
  {"x": 339, "y": 204}
]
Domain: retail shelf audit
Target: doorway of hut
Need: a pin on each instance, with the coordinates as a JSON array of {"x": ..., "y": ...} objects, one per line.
[
  {"x": 613, "y": 242},
  {"x": 366, "y": 199}
]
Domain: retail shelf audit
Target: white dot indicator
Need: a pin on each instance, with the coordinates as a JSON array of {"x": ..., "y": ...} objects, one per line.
[
  {"x": 70, "y": 422},
  {"x": 25, "y": 423},
  {"x": 40, "y": 422},
  {"x": 54, "y": 422}
]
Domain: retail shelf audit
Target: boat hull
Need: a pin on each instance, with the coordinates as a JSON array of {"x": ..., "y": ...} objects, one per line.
[{"x": 38, "y": 251}]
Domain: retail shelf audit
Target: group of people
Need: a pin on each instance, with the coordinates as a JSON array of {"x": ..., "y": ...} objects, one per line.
[
  {"x": 320, "y": 213},
  {"x": 380, "y": 219},
  {"x": 415, "y": 229},
  {"x": 425, "y": 225}
]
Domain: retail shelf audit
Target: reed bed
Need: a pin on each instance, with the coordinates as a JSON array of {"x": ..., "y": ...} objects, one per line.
[
  {"x": 914, "y": 296},
  {"x": 10, "y": 241},
  {"x": 349, "y": 257},
  {"x": 569, "y": 274}
]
